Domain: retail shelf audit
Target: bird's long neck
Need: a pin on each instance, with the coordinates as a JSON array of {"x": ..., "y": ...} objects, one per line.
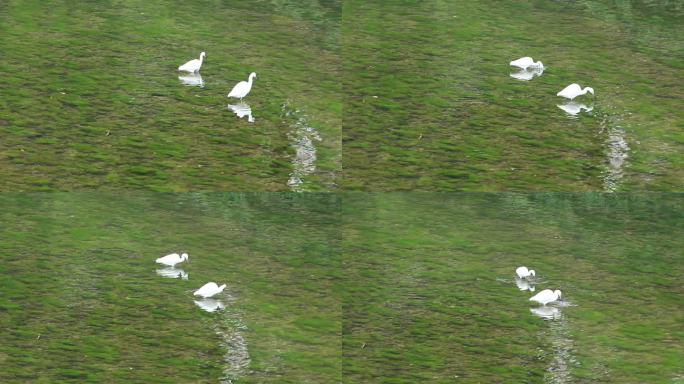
[
  {"x": 201, "y": 59},
  {"x": 585, "y": 90},
  {"x": 250, "y": 80}
]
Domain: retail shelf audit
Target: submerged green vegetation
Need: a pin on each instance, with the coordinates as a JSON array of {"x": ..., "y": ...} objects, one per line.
[
  {"x": 80, "y": 300},
  {"x": 434, "y": 299},
  {"x": 429, "y": 103},
  {"x": 91, "y": 96}
]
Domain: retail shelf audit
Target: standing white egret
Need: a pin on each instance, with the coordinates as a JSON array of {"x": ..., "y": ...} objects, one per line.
[
  {"x": 172, "y": 259},
  {"x": 209, "y": 289},
  {"x": 193, "y": 65},
  {"x": 526, "y": 62},
  {"x": 523, "y": 272},
  {"x": 546, "y": 296},
  {"x": 573, "y": 90},
  {"x": 242, "y": 88}
]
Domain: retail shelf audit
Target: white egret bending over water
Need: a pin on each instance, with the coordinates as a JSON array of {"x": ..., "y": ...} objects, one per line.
[
  {"x": 526, "y": 62},
  {"x": 209, "y": 289},
  {"x": 242, "y": 88},
  {"x": 546, "y": 296},
  {"x": 574, "y": 90},
  {"x": 172, "y": 259},
  {"x": 523, "y": 272},
  {"x": 193, "y": 65}
]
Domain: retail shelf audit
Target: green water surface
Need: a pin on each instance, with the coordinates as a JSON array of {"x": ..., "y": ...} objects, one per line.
[
  {"x": 429, "y": 103},
  {"x": 91, "y": 99},
  {"x": 434, "y": 300},
  {"x": 81, "y": 300}
]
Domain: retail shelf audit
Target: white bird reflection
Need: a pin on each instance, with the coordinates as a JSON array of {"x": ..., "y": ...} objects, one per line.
[
  {"x": 242, "y": 109},
  {"x": 528, "y": 74},
  {"x": 172, "y": 273},
  {"x": 573, "y": 108},
  {"x": 524, "y": 284},
  {"x": 546, "y": 312},
  {"x": 192, "y": 79},
  {"x": 210, "y": 305}
]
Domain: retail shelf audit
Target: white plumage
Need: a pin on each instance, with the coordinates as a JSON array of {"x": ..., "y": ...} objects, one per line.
[
  {"x": 526, "y": 62},
  {"x": 574, "y": 90},
  {"x": 523, "y": 272},
  {"x": 209, "y": 289},
  {"x": 242, "y": 88},
  {"x": 172, "y": 259},
  {"x": 546, "y": 296},
  {"x": 193, "y": 65}
]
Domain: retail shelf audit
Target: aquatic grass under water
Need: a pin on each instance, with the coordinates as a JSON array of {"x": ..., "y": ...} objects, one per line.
[
  {"x": 434, "y": 299},
  {"x": 431, "y": 105},
  {"x": 92, "y": 92},
  {"x": 80, "y": 300}
]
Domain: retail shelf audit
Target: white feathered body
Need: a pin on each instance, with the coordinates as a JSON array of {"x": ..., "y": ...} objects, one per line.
[
  {"x": 172, "y": 259},
  {"x": 193, "y": 65},
  {"x": 242, "y": 88},
  {"x": 546, "y": 296},
  {"x": 574, "y": 90},
  {"x": 526, "y": 62},
  {"x": 209, "y": 289},
  {"x": 523, "y": 272}
]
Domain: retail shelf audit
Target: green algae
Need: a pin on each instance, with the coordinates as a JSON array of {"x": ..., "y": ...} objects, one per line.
[
  {"x": 433, "y": 297},
  {"x": 429, "y": 104},
  {"x": 91, "y": 97},
  {"x": 80, "y": 300}
]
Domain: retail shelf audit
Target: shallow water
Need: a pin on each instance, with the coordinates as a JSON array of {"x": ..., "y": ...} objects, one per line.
[
  {"x": 430, "y": 103},
  {"x": 82, "y": 300},
  {"x": 91, "y": 95},
  {"x": 435, "y": 298}
]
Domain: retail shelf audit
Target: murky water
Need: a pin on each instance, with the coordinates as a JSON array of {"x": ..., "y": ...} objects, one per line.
[
  {"x": 82, "y": 300},
  {"x": 92, "y": 97},
  {"x": 435, "y": 297},
  {"x": 432, "y": 104}
]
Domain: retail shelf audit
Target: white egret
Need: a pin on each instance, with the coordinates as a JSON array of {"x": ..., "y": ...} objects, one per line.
[
  {"x": 573, "y": 90},
  {"x": 209, "y": 289},
  {"x": 523, "y": 272},
  {"x": 172, "y": 273},
  {"x": 242, "y": 88},
  {"x": 526, "y": 62},
  {"x": 193, "y": 65},
  {"x": 172, "y": 259},
  {"x": 546, "y": 296}
]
